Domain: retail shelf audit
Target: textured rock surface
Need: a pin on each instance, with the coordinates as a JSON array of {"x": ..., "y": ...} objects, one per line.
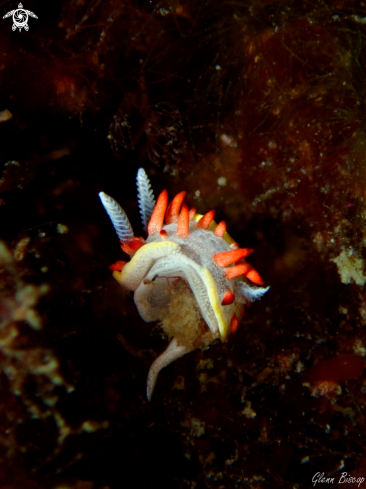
[{"x": 256, "y": 109}]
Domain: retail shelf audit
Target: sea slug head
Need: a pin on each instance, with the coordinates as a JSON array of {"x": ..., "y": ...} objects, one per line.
[{"x": 189, "y": 274}]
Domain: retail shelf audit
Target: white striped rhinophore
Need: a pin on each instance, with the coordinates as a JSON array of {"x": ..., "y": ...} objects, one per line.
[{"x": 118, "y": 217}]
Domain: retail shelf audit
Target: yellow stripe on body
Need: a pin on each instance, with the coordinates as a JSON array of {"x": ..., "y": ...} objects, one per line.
[
  {"x": 214, "y": 301},
  {"x": 135, "y": 270}
]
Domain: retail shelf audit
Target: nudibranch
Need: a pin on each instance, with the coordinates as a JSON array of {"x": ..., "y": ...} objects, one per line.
[{"x": 189, "y": 274}]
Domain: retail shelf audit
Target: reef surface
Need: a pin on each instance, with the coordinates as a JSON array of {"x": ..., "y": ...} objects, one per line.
[{"x": 256, "y": 109}]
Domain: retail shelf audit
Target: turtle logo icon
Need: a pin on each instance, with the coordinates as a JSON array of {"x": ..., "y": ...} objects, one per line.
[{"x": 20, "y": 17}]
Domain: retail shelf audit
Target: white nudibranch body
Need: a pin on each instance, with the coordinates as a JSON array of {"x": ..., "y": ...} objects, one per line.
[{"x": 189, "y": 274}]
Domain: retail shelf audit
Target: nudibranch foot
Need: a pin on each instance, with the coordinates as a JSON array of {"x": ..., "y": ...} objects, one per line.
[
  {"x": 181, "y": 320},
  {"x": 172, "y": 353},
  {"x": 189, "y": 274}
]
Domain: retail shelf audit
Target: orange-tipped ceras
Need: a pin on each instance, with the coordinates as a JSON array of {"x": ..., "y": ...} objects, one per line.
[{"x": 188, "y": 267}]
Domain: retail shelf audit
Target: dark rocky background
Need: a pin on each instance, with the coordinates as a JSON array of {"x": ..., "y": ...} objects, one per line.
[{"x": 270, "y": 95}]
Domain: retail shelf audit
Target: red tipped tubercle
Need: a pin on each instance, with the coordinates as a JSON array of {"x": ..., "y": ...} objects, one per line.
[
  {"x": 234, "y": 324},
  {"x": 178, "y": 213},
  {"x": 172, "y": 213},
  {"x": 192, "y": 213},
  {"x": 237, "y": 270},
  {"x": 118, "y": 266},
  {"x": 158, "y": 214},
  {"x": 221, "y": 229},
  {"x": 206, "y": 220},
  {"x": 132, "y": 246},
  {"x": 226, "y": 258},
  {"x": 228, "y": 299},
  {"x": 244, "y": 269},
  {"x": 183, "y": 222}
]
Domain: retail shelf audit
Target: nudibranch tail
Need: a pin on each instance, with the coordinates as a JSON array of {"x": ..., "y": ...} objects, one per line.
[
  {"x": 118, "y": 217},
  {"x": 145, "y": 197},
  {"x": 189, "y": 274},
  {"x": 172, "y": 353}
]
